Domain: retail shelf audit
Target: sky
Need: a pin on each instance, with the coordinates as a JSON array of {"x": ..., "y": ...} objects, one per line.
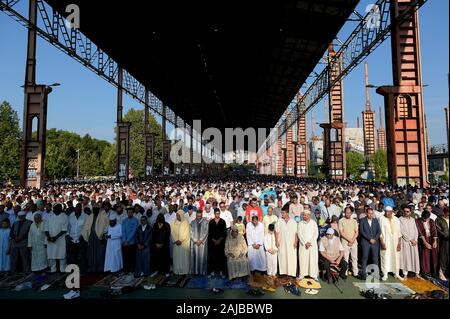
[{"x": 85, "y": 103}]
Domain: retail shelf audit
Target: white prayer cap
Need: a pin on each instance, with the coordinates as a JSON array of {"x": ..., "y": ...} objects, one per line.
[
  {"x": 330, "y": 231},
  {"x": 113, "y": 216},
  {"x": 388, "y": 208}
]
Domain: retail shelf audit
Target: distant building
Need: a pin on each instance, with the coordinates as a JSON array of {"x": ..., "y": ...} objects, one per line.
[
  {"x": 316, "y": 151},
  {"x": 354, "y": 140}
]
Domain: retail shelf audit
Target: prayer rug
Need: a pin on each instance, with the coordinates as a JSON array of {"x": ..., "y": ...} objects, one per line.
[
  {"x": 197, "y": 282},
  {"x": 172, "y": 281},
  {"x": 420, "y": 286},
  {"x": 285, "y": 280},
  {"x": 91, "y": 279},
  {"x": 105, "y": 282},
  {"x": 183, "y": 282},
  {"x": 443, "y": 284},
  {"x": 12, "y": 281},
  {"x": 126, "y": 280},
  {"x": 156, "y": 280},
  {"x": 385, "y": 288}
]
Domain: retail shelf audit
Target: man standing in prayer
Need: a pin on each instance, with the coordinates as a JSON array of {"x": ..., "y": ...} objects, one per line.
[
  {"x": 19, "y": 243},
  {"x": 217, "y": 233},
  {"x": 94, "y": 231},
  {"x": 180, "y": 231},
  {"x": 348, "y": 229},
  {"x": 390, "y": 244},
  {"x": 287, "y": 240},
  {"x": 370, "y": 232},
  {"x": 308, "y": 253},
  {"x": 295, "y": 209},
  {"x": 332, "y": 254},
  {"x": 113, "y": 257},
  {"x": 143, "y": 241},
  {"x": 37, "y": 245},
  {"x": 76, "y": 248},
  {"x": 199, "y": 243},
  {"x": 161, "y": 246},
  {"x": 442, "y": 229},
  {"x": 5, "y": 260},
  {"x": 55, "y": 228},
  {"x": 271, "y": 251},
  {"x": 428, "y": 244},
  {"x": 409, "y": 259},
  {"x": 235, "y": 251},
  {"x": 255, "y": 241},
  {"x": 129, "y": 227}
]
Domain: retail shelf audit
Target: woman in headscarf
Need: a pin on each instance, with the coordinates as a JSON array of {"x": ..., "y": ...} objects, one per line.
[
  {"x": 180, "y": 230},
  {"x": 160, "y": 246},
  {"x": 236, "y": 253}
]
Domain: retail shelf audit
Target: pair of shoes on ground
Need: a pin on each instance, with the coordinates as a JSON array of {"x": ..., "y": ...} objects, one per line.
[
  {"x": 292, "y": 289},
  {"x": 255, "y": 292},
  {"x": 150, "y": 287},
  {"x": 73, "y": 294},
  {"x": 269, "y": 289},
  {"x": 311, "y": 291}
]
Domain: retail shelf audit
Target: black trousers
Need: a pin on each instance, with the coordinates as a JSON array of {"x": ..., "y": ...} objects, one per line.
[
  {"x": 76, "y": 254},
  {"x": 326, "y": 265},
  {"x": 372, "y": 252},
  {"x": 129, "y": 258}
]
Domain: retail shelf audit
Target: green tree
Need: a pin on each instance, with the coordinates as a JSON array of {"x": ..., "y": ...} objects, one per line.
[
  {"x": 379, "y": 163},
  {"x": 355, "y": 163},
  {"x": 10, "y": 143},
  {"x": 137, "y": 151}
]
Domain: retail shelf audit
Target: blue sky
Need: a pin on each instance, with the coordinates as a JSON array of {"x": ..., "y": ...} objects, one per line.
[{"x": 85, "y": 103}]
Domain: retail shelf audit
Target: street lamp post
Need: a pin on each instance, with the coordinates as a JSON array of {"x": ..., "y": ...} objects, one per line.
[{"x": 78, "y": 164}]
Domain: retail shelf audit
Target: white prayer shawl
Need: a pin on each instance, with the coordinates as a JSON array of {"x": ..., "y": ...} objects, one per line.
[
  {"x": 272, "y": 259},
  {"x": 390, "y": 258},
  {"x": 287, "y": 253},
  {"x": 256, "y": 257},
  {"x": 113, "y": 258},
  {"x": 309, "y": 258},
  {"x": 54, "y": 225}
]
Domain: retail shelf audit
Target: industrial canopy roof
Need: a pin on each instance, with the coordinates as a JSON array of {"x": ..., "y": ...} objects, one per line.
[{"x": 230, "y": 63}]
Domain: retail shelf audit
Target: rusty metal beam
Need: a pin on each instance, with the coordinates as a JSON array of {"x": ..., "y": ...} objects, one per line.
[
  {"x": 405, "y": 125},
  {"x": 368, "y": 125},
  {"x": 32, "y": 164},
  {"x": 302, "y": 145}
]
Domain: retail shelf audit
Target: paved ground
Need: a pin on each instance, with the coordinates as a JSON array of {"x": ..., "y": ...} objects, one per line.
[{"x": 327, "y": 292}]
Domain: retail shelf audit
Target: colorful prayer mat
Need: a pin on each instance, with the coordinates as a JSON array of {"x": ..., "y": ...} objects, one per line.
[
  {"x": 421, "y": 286},
  {"x": 105, "y": 282},
  {"x": 12, "y": 281},
  {"x": 385, "y": 288}
]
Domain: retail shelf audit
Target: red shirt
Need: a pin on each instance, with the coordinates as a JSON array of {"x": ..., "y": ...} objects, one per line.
[{"x": 253, "y": 211}]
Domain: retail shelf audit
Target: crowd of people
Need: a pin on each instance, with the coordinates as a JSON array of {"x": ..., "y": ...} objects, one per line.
[{"x": 233, "y": 227}]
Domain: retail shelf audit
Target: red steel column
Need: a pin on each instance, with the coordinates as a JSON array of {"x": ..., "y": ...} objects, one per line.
[
  {"x": 405, "y": 126},
  {"x": 32, "y": 164},
  {"x": 302, "y": 147},
  {"x": 381, "y": 134},
  {"x": 368, "y": 125},
  {"x": 334, "y": 139}
]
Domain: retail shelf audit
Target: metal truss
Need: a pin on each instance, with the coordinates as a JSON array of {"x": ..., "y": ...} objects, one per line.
[
  {"x": 371, "y": 31},
  {"x": 52, "y": 27}
]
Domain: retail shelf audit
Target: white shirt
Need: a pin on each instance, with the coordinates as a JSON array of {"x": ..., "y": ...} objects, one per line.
[
  {"x": 227, "y": 217},
  {"x": 75, "y": 226},
  {"x": 322, "y": 247}
]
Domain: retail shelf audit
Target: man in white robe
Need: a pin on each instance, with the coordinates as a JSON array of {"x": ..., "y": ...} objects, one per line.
[
  {"x": 410, "y": 261},
  {"x": 308, "y": 253},
  {"x": 270, "y": 218},
  {"x": 255, "y": 242},
  {"x": 270, "y": 246},
  {"x": 287, "y": 240},
  {"x": 181, "y": 241},
  {"x": 113, "y": 257},
  {"x": 390, "y": 244},
  {"x": 55, "y": 228}
]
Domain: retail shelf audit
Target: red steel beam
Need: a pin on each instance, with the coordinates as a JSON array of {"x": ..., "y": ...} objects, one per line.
[
  {"x": 368, "y": 117},
  {"x": 405, "y": 125},
  {"x": 302, "y": 144}
]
